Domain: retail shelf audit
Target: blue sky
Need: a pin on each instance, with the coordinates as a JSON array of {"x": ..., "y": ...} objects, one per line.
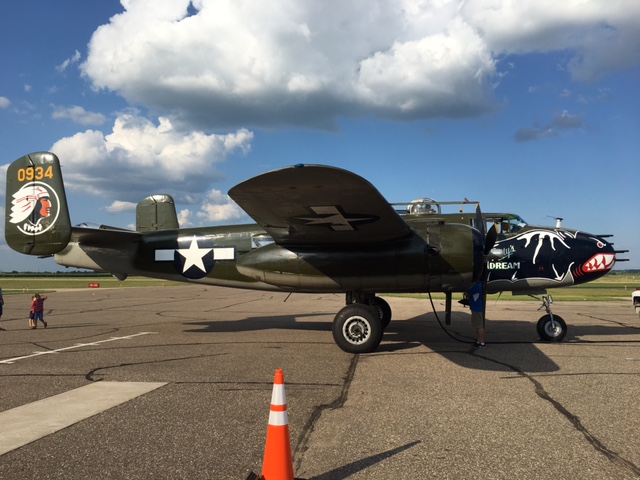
[{"x": 527, "y": 107}]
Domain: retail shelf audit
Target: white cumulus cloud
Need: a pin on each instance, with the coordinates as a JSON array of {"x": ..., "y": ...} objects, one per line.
[
  {"x": 218, "y": 207},
  {"x": 224, "y": 63},
  {"x": 140, "y": 158},
  {"x": 78, "y": 115},
  {"x": 75, "y": 58},
  {"x": 119, "y": 206}
]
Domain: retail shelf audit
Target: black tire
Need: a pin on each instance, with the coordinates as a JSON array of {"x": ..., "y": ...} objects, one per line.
[
  {"x": 357, "y": 328},
  {"x": 384, "y": 311},
  {"x": 550, "y": 334}
]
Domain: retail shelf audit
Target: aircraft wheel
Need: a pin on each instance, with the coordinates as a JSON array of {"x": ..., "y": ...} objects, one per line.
[
  {"x": 357, "y": 328},
  {"x": 550, "y": 334},
  {"x": 384, "y": 311}
]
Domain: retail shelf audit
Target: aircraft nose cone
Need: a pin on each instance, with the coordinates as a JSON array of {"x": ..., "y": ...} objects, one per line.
[{"x": 597, "y": 258}]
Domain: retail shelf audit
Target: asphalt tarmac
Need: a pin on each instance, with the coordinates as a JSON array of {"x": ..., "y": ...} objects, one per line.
[{"x": 188, "y": 373}]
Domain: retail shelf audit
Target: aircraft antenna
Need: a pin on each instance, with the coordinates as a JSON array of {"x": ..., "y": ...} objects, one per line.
[{"x": 558, "y": 220}]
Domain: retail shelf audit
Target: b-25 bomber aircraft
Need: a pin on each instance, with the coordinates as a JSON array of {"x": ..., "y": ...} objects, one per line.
[{"x": 320, "y": 229}]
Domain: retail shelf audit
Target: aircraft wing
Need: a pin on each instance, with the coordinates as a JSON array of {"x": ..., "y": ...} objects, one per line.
[{"x": 319, "y": 205}]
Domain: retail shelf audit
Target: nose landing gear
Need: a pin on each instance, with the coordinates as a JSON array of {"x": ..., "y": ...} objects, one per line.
[{"x": 551, "y": 328}]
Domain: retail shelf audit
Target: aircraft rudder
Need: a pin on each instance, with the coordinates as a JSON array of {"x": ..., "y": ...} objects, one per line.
[{"x": 36, "y": 213}]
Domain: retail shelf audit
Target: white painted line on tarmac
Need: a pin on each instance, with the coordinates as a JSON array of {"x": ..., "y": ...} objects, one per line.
[
  {"x": 22, "y": 425},
  {"x": 78, "y": 345}
]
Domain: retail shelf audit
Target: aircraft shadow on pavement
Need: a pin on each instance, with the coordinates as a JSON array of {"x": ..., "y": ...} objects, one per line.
[
  {"x": 515, "y": 352},
  {"x": 404, "y": 335},
  {"x": 285, "y": 322},
  {"x": 576, "y": 333},
  {"x": 512, "y": 345}
]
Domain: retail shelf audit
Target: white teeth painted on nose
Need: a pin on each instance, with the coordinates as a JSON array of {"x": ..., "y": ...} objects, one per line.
[{"x": 599, "y": 263}]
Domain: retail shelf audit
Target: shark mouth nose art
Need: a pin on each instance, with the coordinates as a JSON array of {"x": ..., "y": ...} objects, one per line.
[{"x": 600, "y": 262}]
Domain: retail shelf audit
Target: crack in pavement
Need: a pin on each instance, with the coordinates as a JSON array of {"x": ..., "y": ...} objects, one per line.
[
  {"x": 91, "y": 373},
  {"x": 302, "y": 444},
  {"x": 605, "y": 320},
  {"x": 573, "y": 419}
]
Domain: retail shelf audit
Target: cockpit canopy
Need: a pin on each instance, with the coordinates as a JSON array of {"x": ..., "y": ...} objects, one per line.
[
  {"x": 422, "y": 206},
  {"x": 509, "y": 223},
  {"x": 428, "y": 209}
]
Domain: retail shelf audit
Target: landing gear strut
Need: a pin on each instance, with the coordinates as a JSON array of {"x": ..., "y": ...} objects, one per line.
[
  {"x": 551, "y": 328},
  {"x": 359, "y": 326}
]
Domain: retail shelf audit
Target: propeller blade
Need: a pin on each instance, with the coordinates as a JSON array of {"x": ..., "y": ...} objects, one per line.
[
  {"x": 480, "y": 221},
  {"x": 491, "y": 238}
]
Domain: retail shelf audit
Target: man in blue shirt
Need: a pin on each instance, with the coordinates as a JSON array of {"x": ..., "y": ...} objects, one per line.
[{"x": 476, "y": 306}]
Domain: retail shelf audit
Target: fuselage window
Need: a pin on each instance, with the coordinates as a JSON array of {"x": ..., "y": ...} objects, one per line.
[{"x": 258, "y": 241}]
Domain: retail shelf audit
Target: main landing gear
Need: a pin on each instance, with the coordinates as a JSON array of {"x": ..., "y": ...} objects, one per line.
[
  {"x": 551, "y": 328},
  {"x": 359, "y": 326}
]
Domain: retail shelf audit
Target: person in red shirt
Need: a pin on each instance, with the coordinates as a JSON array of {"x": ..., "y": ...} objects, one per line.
[{"x": 38, "y": 310}]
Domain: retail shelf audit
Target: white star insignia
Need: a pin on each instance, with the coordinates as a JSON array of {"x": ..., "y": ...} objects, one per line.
[{"x": 193, "y": 255}]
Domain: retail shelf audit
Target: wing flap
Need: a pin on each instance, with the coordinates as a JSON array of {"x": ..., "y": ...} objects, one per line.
[{"x": 319, "y": 205}]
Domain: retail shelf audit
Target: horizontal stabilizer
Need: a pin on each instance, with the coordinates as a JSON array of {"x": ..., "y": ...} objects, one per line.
[{"x": 103, "y": 237}]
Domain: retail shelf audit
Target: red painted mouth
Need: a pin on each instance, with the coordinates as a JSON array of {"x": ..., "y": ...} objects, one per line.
[{"x": 600, "y": 262}]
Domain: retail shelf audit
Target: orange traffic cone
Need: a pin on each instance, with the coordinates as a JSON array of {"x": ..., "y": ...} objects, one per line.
[{"x": 278, "y": 464}]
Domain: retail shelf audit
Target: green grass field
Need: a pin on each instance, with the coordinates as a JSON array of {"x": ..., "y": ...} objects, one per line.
[{"x": 611, "y": 287}]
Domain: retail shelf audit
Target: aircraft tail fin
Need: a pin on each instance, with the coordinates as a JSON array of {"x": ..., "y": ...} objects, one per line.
[
  {"x": 36, "y": 214},
  {"x": 157, "y": 212}
]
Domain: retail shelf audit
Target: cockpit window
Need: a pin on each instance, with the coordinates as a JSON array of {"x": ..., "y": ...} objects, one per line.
[{"x": 511, "y": 224}]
